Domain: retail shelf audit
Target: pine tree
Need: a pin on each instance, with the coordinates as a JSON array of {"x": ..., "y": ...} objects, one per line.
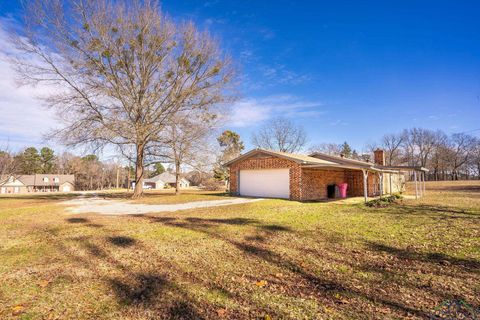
[
  {"x": 30, "y": 161},
  {"x": 47, "y": 159},
  {"x": 232, "y": 146},
  {"x": 159, "y": 169},
  {"x": 346, "y": 150}
]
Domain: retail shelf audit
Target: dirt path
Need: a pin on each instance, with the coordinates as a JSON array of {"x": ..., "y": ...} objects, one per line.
[{"x": 117, "y": 207}]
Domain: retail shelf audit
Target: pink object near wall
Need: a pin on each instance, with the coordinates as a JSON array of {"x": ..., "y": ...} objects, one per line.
[{"x": 343, "y": 190}]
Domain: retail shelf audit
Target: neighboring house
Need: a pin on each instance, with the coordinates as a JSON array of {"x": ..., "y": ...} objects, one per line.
[
  {"x": 163, "y": 181},
  {"x": 39, "y": 183},
  {"x": 265, "y": 173}
]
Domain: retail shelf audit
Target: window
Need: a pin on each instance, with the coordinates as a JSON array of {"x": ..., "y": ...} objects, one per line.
[
  {"x": 56, "y": 180},
  {"x": 45, "y": 179}
]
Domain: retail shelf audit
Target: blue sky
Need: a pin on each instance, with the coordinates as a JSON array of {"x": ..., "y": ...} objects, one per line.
[{"x": 345, "y": 70}]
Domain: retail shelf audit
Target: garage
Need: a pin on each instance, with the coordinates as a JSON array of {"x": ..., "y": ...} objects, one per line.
[{"x": 270, "y": 183}]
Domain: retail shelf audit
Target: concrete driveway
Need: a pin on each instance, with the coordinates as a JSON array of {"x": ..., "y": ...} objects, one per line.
[{"x": 118, "y": 207}]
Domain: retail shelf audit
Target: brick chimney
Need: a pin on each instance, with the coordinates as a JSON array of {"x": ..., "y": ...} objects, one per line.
[{"x": 379, "y": 157}]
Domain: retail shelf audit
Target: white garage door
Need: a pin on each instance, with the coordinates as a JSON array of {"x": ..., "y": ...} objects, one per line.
[{"x": 272, "y": 183}]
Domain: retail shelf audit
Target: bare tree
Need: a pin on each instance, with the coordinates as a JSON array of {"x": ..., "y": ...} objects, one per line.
[
  {"x": 419, "y": 143},
  {"x": 475, "y": 159},
  {"x": 185, "y": 140},
  {"x": 392, "y": 143},
  {"x": 441, "y": 156},
  {"x": 8, "y": 166},
  {"x": 122, "y": 70},
  {"x": 280, "y": 134},
  {"x": 332, "y": 149},
  {"x": 462, "y": 146}
]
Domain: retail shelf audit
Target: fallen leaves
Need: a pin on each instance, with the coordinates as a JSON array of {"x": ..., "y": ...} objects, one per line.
[
  {"x": 17, "y": 310},
  {"x": 221, "y": 312},
  {"x": 261, "y": 283},
  {"x": 43, "y": 283}
]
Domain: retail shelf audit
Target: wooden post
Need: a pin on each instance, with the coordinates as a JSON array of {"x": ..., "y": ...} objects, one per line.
[
  {"x": 365, "y": 190},
  {"x": 424, "y": 183},
  {"x": 381, "y": 184},
  {"x": 419, "y": 178},
  {"x": 118, "y": 177},
  {"x": 416, "y": 185},
  {"x": 391, "y": 191}
]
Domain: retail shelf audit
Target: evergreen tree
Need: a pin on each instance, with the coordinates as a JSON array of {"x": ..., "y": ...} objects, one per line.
[
  {"x": 231, "y": 146},
  {"x": 30, "y": 161},
  {"x": 355, "y": 155},
  {"x": 47, "y": 159},
  {"x": 346, "y": 150},
  {"x": 159, "y": 169}
]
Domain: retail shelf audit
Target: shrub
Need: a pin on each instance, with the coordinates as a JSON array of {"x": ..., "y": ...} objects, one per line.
[
  {"x": 384, "y": 201},
  {"x": 213, "y": 185}
]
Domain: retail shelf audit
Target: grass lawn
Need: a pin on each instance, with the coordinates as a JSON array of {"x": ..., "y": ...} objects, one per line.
[{"x": 271, "y": 259}]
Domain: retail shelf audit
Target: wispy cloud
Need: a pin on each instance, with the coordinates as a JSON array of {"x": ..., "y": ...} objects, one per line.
[
  {"x": 339, "y": 123},
  {"x": 267, "y": 34},
  {"x": 251, "y": 111},
  {"x": 279, "y": 74}
]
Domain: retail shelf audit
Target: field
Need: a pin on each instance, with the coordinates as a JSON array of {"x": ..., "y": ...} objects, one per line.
[{"x": 271, "y": 259}]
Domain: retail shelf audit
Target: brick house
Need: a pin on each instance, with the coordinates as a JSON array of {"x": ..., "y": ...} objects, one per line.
[{"x": 266, "y": 173}]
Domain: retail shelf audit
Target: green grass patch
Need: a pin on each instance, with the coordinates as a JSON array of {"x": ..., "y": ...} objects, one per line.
[{"x": 273, "y": 259}]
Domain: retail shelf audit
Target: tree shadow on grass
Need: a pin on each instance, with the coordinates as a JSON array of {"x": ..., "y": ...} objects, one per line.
[
  {"x": 461, "y": 188},
  {"x": 441, "y": 212},
  {"x": 84, "y": 221},
  {"x": 77, "y": 220},
  {"x": 137, "y": 291},
  {"x": 429, "y": 257},
  {"x": 145, "y": 287},
  {"x": 325, "y": 289},
  {"x": 121, "y": 241}
]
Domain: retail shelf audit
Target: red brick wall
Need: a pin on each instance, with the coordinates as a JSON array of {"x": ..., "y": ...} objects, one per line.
[
  {"x": 315, "y": 181},
  {"x": 379, "y": 157},
  {"x": 373, "y": 184},
  {"x": 306, "y": 184},
  {"x": 354, "y": 179},
  {"x": 268, "y": 163}
]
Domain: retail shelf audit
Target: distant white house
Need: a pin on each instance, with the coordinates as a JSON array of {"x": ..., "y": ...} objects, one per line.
[{"x": 163, "y": 181}]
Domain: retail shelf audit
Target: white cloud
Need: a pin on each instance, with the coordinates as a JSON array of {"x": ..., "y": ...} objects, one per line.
[
  {"x": 23, "y": 119},
  {"x": 250, "y": 112}
]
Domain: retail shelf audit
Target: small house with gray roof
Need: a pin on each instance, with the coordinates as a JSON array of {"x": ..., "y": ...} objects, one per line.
[{"x": 164, "y": 180}]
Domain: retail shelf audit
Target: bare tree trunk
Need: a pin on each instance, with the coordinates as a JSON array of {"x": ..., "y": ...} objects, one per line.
[
  {"x": 118, "y": 177},
  {"x": 177, "y": 177},
  {"x": 138, "y": 191}
]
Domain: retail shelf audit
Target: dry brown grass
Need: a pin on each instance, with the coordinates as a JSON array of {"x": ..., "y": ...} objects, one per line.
[{"x": 272, "y": 258}]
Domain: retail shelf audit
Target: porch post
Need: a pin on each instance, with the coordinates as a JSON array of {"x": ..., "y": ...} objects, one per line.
[
  {"x": 365, "y": 192},
  {"x": 424, "y": 184},
  {"x": 381, "y": 184},
  {"x": 416, "y": 185},
  {"x": 391, "y": 191},
  {"x": 421, "y": 184}
]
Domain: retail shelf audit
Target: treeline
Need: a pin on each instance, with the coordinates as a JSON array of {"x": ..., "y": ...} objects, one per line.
[
  {"x": 448, "y": 157},
  {"x": 90, "y": 173}
]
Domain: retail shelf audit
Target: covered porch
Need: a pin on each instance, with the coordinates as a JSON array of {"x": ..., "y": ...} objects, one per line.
[{"x": 362, "y": 181}]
